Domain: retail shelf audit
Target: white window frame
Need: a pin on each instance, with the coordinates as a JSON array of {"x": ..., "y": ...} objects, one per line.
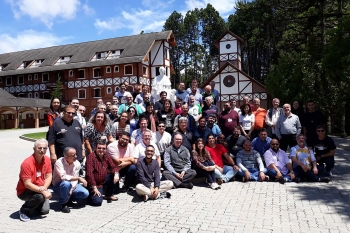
[
  {"x": 84, "y": 93},
  {"x": 79, "y": 74},
  {"x": 116, "y": 69},
  {"x": 100, "y": 92},
  {"x": 35, "y": 76},
  {"x": 132, "y": 69},
  {"x": 42, "y": 77},
  {"x": 93, "y": 72},
  {"x": 36, "y": 95},
  {"x": 10, "y": 83},
  {"x": 30, "y": 95},
  {"x": 70, "y": 73},
  {"x": 116, "y": 89},
  {"x": 30, "y": 77},
  {"x": 108, "y": 90},
  {"x": 110, "y": 70},
  {"x": 22, "y": 79}
]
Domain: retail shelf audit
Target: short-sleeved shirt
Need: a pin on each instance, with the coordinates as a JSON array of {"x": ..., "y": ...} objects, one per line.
[
  {"x": 207, "y": 111},
  {"x": 197, "y": 97},
  {"x": 139, "y": 151},
  {"x": 228, "y": 121},
  {"x": 195, "y": 110},
  {"x": 216, "y": 154},
  {"x": 304, "y": 155},
  {"x": 324, "y": 146},
  {"x": 121, "y": 96},
  {"x": 279, "y": 159},
  {"x": 30, "y": 169},
  {"x": 260, "y": 115},
  {"x": 93, "y": 135},
  {"x": 66, "y": 134},
  {"x": 247, "y": 121},
  {"x": 117, "y": 153}
]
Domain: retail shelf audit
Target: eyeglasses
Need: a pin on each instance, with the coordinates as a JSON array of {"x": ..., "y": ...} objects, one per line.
[
  {"x": 101, "y": 148},
  {"x": 42, "y": 148},
  {"x": 161, "y": 126},
  {"x": 70, "y": 113},
  {"x": 320, "y": 131}
]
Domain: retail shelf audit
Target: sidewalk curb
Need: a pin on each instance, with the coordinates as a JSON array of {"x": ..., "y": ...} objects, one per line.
[{"x": 27, "y": 139}]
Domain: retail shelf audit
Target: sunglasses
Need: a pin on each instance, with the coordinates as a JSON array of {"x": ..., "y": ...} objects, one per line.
[{"x": 70, "y": 113}]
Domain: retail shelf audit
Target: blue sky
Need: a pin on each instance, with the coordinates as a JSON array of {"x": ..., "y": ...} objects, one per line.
[{"x": 28, "y": 24}]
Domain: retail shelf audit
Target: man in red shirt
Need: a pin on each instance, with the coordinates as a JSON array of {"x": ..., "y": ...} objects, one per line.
[
  {"x": 260, "y": 115},
  {"x": 34, "y": 179},
  {"x": 224, "y": 173}
]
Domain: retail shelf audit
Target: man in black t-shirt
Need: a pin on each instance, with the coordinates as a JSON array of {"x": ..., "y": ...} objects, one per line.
[
  {"x": 66, "y": 132},
  {"x": 159, "y": 104},
  {"x": 235, "y": 141},
  {"x": 312, "y": 118},
  {"x": 324, "y": 149}
]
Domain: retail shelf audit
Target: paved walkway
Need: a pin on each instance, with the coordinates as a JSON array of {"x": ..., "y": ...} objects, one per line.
[{"x": 237, "y": 207}]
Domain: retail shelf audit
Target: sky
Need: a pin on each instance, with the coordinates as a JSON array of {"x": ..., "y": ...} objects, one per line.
[{"x": 29, "y": 24}]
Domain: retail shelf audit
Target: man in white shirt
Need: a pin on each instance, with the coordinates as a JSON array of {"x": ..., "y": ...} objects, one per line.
[
  {"x": 139, "y": 151},
  {"x": 121, "y": 152},
  {"x": 65, "y": 180},
  {"x": 136, "y": 136},
  {"x": 122, "y": 93},
  {"x": 163, "y": 138}
]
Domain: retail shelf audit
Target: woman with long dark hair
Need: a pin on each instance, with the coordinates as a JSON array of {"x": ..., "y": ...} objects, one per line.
[
  {"x": 246, "y": 121},
  {"x": 121, "y": 125},
  {"x": 97, "y": 130},
  {"x": 54, "y": 111},
  {"x": 204, "y": 162},
  {"x": 151, "y": 116},
  {"x": 133, "y": 118},
  {"x": 167, "y": 115}
]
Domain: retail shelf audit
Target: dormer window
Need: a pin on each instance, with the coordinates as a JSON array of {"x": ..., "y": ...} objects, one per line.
[
  {"x": 3, "y": 66},
  {"x": 36, "y": 63},
  {"x": 99, "y": 56},
  {"x": 25, "y": 64},
  {"x": 63, "y": 60},
  {"x": 114, "y": 54}
]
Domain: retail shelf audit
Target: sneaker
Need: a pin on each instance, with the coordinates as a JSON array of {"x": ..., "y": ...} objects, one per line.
[
  {"x": 145, "y": 198},
  {"x": 296, "y": 180},
  {"x": 267, "y": 178},
  {"x": 281, "y": 180},
  {"x": 244, "y": 179},
  {"x": 220, "y": 181},
  {"x": 187, "y": 185},
  {"x": 214, "y": 186},
  {"x": 328, "y": 173},
  {"x": 168, "y": 195},
  {"x": 325, "y": 179},
  {"x": 65, "y": 208},
  {"x": 23, "y": 217},
  {"x": 129, "y": 190}
]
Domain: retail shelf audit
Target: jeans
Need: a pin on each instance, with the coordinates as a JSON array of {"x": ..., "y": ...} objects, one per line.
[
  {"x": 63, "y": 188},
  {"x": 227, "y": 173},
  {"x": 130, "y": 174},
  {"x": 34, "y": 201},
  {"x": 329, "y": 161},
  {"x": 309, "y": 175},
  {"x": 108, "y": 186},
  {"x": 272, "y": 173},
  {"x": 254, "y": 173},
  {"x": 211, "y": 177}
]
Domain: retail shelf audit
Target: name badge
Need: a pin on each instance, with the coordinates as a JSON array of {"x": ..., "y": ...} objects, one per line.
[
  {"x": 164, "y": 116},
  {"x": 38, "y": 174},
  {"x": 229, "y": 120},
  {"x": 320, "y": 148}
]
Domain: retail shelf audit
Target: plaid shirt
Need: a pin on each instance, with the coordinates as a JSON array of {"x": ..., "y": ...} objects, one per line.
[{"x": 97, "y": 169}]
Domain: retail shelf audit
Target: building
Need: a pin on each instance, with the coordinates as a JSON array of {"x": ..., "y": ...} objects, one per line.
[
  {"x": 230, "y": 80},
  {"x": 88, "y": 70}
]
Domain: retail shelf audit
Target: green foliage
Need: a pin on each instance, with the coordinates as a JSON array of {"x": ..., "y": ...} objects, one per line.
[
  {"x": 35, "y": 135},
  {"x": 57, "y": 93}
]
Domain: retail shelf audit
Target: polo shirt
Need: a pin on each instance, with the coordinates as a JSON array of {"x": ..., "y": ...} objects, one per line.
[
  {"x": 30, "y": 169},
  {"x": 66, "y": 134},
  {"x": 216, "y": 154}
]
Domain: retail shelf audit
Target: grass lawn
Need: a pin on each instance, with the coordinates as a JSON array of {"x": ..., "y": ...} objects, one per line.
[{"x": 35, "y": 135}]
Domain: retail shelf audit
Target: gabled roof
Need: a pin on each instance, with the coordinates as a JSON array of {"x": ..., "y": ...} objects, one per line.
[
  {"x": 134, "y": 49},
  {"x": 8, "y": 100},
  {"x": 234, "y": 67},
  {"x": 217, "y": 42}
]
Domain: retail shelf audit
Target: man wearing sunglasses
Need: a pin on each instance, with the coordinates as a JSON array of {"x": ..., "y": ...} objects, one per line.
[
  {"x": 325, "y": 150},
  {"x": 66, "y": 132}
]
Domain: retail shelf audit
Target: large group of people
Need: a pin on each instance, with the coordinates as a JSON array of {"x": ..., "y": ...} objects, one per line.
[{"x": 132, "y": 143}]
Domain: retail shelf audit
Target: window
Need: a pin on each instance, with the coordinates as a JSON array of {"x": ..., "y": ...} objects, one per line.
[
  {"x": 109, "y": 90},
  {"x": 144, "y": 70},
  {"x": 166, "y": 53},
  {"x": 99, "y": 56},
  {"x": 97, "y": 72},
  {"x": 116, "y": 89},
  {"x": 30, "y": 95},
  {"x": 45, "y": 77},
  {"x": 29, "y": 77},
  {"x": 70, "y": 73},
  {"x": 3, "y": 66},
  {"x": 36, "y": 63},
  {"x": 63, "y": 60},
  {"x": 21, "y": 95},
  {"x": 35, "y": 76},
  {"x": 128, "y": 69},
  {"x": 97, "y": 92},
  {"x": 81, "y": 73},
  {"x": 81, "y": 94},
  {"x": 25, "y": 64},
  {"x": 20, "y": 80},
  {"x": 116, "y": 69},
  {"x": 8, "y": 81},
  {"x": 114, "y": 54},
  {"x": 36, "y": 95},
  {"x": 157, "y": 71},
  {"x": 108, "y": 69}
]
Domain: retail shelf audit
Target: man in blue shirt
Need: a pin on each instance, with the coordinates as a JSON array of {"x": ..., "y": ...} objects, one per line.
[
  {"x": 181, "y": 93},
  {"x": 262, "y": 143}
]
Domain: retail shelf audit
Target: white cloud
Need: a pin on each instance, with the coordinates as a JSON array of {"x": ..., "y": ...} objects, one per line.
[
  {"x": 222, "y": 6},
  {"x": 88, "y": 10},
  {"x": 28, "y": 39},
  {"x": 46, "y": 10},
  {"x": 136, "y": 20}
]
